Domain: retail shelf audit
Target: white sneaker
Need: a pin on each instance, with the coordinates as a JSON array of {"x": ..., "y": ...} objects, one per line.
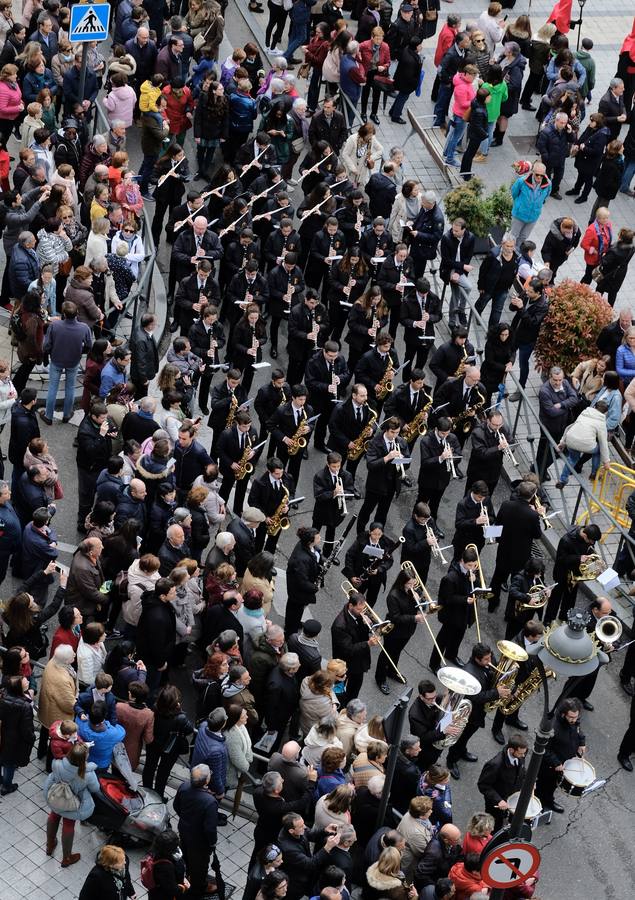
[{"x": 40, "y": 370}]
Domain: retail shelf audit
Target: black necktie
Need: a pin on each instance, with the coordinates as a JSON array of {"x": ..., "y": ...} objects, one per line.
[
  {"x": 415, "y": 399},
  {"x": 359, "y": 414},
  {"x": 242, "y": 440}
]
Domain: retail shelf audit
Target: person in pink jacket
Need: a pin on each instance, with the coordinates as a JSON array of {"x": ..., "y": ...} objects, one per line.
[
  {"x": 121, "y": 100},
  {"x": 11, "y": 104},
  {"x": 464, "y": 93}
]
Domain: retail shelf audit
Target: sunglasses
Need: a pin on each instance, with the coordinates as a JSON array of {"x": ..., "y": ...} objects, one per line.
[{"x": 128, "y": 230}]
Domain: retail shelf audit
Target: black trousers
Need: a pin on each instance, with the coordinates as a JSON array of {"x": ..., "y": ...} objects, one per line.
[
  {"x": 86, "y": 482},
  {"x": 500, "y": 720},
  {"x": 628, "y": 741},
  {"x": 562, "y": 599},
  {"x": 548, "y": 781},
  {"x": 160, "y": 765},
  {"x": 449, "y": 640},
  {"x": 457, "y": 750},
  {"x": 416, "y": 357},
  {"x": 266, "y": 541},
  {"x": 381, "y": 502},
  {"x": 394, "y": 645},
  {"x": 354, "y": 682},
  {"x": 293, "y": 617},
  {"x": 239, "y": 493},
  {"x": 296, "y": 368},
  {"x": 504, "y": 568},
  {"x": 432, "y": 497},
  {"x": 197, "y": 857}
]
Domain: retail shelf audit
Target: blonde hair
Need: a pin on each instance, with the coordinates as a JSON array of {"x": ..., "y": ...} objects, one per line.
[
  {"x": 111, "y": 858},
  {"x": 101, "y": 226},
  {"x": 480, "y": 825},
  {"x": 336, "y": 667},
  {"x": 389, "y": 862},
  {"x": 377, "y": 32},
  {"x": 34, "y": 109},
  {"x": 494, "y": 8}
]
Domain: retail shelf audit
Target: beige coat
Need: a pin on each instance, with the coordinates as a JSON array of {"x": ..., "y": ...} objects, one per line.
[
  {"x": 398, "y": 213},
  {"x": 249, "y": 583},
  {"x": 324, "y": 816},
  {"x": 356, "y": 167},
  {"x": 313, "y": 707},
  {"x": 346, "y": 731},
  {"x": 58, "y": 690},
  {"x": 589, "y": 382},
  {"x": 417, "y": 833}
]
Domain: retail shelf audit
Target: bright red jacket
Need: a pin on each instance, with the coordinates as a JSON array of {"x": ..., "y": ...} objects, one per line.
[
  {"x": 366, "y": 55},
  {"x": 466, "y": 883},
  {"x": 444, "y": 42},
  {"x": 177, "y": 110},
  {"x": 596, "y": 241}
]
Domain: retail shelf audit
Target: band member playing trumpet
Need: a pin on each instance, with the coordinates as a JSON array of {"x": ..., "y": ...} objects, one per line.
[
  {"x": 268, "y": 495},
  {"x": 440, "y": 456},
  {"x": 424, "y": 717},
  {"x": 450, "y": 359},
  {"x": 501, "y": 776},
  {"x": 290, "y": 431},
  {"x": 480, "y": 666},
  {"x": 473, "y": 513},
  {"x": 329, "y": 486},
  {"x": 367, "y": 573},
  {"x": 405, "y": 615},
  {"x": 527, "y": 596},
  {"x": 384, "y": 478},
  {"x": 521, "y": 527},
  {"x": 308, "y": 327},
  {"x": 207, "y": 337},
  {"x": 235, "y": 458},
  {"x": 351, "y": 425},
  {"x": 303, "y": 570},
  {"x": 524, "y": 685},
  {"x": 490, "y": 441},
  {"x": 376, "y": 369},
  {"x": 456, "y": 614},
  {"x": 408, "y": 402},
  {"x": 420, "y": 312},
  {"x": 420, "y": 535},
  {"x": 286, "y": 287},
  {"x": 327, "y": 378},
  {"x": 464, "y": 400},
  {"x": 225, "y": 399},
  {"x": 567, "y": 742},
  {"x": 352, "y": 640},
  {"x": 574, "y": 549}
]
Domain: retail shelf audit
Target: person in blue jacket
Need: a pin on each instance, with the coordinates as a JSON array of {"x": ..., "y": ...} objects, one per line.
[
  {"x": 530, "y": 193},
  {"x": 102, "y": 688},
  {"x": 300, "y": 16},
  {"x": 10, "y": 529},
  {"x": 102, "y": 734}
]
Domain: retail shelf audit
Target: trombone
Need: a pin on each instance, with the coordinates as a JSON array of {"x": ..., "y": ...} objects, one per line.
[
  {"x": 482, "y": 590},
  {"x": 376, "y": 626},
  {"x": 425, "y": 605}
]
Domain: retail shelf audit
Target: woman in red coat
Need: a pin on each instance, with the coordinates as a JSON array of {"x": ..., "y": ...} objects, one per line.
[
  {"x": 180, "y": 109},
  {"x": 98, "y": 356},
  {"x": 596, "y": 241},
  {"x": 375, "y": 56}
]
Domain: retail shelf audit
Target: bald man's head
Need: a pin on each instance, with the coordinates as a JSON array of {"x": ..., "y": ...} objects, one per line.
[{"x": 291, "y": 751}]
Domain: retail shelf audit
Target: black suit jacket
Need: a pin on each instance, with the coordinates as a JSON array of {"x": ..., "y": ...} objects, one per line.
[
  {"x": 433, "y": 474},
  {"x": 454, "y": 589},
  {"x": 371, "y": 367},
  {"x": 268, "y": 399},
  {"x": 301, "y": 324},
  {"x": 145, "y": 357},
  {"x": 424, "y": 724},
  {"x": 398, "y": 402},
  {"x": 383, "y": 478},
  {"x": 279, "y": 281},
  {"x": 200, "y": 341},
  {"x": 344, "y": 427},
  {"x": 521, "y": 526},
  {"x": 263, "y": 496},
  {"x": 499, "y": 778},
  {"x": 220, "y": 403},
  {"x": 318, "y": 379},
  {"x": 179, "y": 214},
  {"x": 303, "y": 570},
  {"x": 239, "y": 287},
  {"x": 245, "y": 547},
  {"x": 189, "y": 293},
  {"x": 389, "y": 275},
  {"x": 411, "y": 312},
  {"x": 451, "y": 392},
  {"x": 282, "y": 423},
  {"x": 446, "y": 358},
  {"x": 466, "y": 531},
  {"x": 185, "y": 248},
  {"x": 229, "y": 449},
  {"x": 486, "y": 460},
  {"x": 276, "y": 245},
  {"x": 349, "y": 639},
  {"x": 326, "y": 510}
]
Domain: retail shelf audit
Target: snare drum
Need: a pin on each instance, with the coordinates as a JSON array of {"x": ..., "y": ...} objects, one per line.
[
  {"x": 534, "y": 809},
  {"x": 578, "y": 775}
]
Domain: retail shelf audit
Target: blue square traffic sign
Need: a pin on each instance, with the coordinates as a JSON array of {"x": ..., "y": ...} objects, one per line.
[{"x": 89, "y": 22}]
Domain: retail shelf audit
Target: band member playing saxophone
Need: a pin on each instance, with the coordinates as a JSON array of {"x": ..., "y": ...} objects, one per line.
[
  {"x": 473, "y": 513},
  {"x": 330, "y": 485},
  {"x": 225, "y": 400},
  {"x": 450, "y": 359},
  {"x": 440, "y": 454},
  {"x": 420, "y": 535},
  {"x": 351, "y": 427},
  {"x": 489, "y": 442},
  {"x": 268, "y": 399},
  {"x": 290, "y": 431},
  {"x": 409, "y": 403},
  {"x": 269, "y": 493},
  {"x": 463, "y": 400},
  {"x": 375, "y": 370},
  {"x": 236, "y": 459},
  {"x": 404, "y": 615},
  {"x": 524, "y": 686}
]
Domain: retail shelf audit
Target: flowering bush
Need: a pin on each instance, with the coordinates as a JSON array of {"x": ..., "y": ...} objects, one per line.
[
  {"x": 569, "y": 331},
  {"x": 480, "y": 213}
]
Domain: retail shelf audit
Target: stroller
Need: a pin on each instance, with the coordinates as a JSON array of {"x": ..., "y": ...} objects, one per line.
[{"x": 131, "y": 814}]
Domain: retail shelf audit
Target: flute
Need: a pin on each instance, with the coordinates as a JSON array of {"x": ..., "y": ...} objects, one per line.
[
  {"x": 253, "y": 162},
  {"x": 178, "y": 225},
  {"x": 171, "y": 172},
  {"x": 316, "y": 166}
]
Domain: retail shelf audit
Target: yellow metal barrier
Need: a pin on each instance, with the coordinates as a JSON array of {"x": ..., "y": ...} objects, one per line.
[{"x": 611, "y": 488}]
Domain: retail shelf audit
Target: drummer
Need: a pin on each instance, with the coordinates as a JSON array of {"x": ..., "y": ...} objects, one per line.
[
  {"x": 501, "y": 776},
  {"x": 566, "y": 743}
]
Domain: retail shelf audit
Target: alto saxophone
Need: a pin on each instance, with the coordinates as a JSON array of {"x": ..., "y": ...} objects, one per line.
[
  {"x": 279, "y": 521},
  {"x": 386, "y": 385},
  {"x": 460, "y": 369},
  {"x": 418, "y": 425},
  {"x": 231, "y": 415},
  {"x": 244, "y": 466},
  {"x": 361, "y": 442},
  {"x": 468, "y": 417},
  {"x": 298, "y": 442}
]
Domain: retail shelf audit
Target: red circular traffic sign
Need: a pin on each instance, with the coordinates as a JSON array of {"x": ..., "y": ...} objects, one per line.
[{"x": 510, "y": 864}]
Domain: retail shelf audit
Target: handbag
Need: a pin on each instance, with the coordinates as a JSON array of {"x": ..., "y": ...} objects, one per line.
[
  {"x": 596, "y": 274},
  {"x": 61, "y": 796},
  {"x": 303, "y": 71},
  {"x": 201, "y": 38},
  {"x": 58, "y": 491},
  {"x": 297, "y": 145},
  {"x": 65, "y": 267},
  {"x": 431, "y": 15},
  {"x": 177, "y": 742}
]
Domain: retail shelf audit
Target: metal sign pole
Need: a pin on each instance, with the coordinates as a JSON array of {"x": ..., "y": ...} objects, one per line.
[{"x": 82, "y": 72}]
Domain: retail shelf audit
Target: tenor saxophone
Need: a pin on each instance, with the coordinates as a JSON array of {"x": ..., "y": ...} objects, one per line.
[
  {"x": 361, "y": 442},
  {"x": 525, "y": 689},
  {"x": 298, "y": 442},
  {"x": 244, "y": 466},
  {"x": 231, "y": 415},
  {"x": 418, "y": 425},
  {"x": 279, "y": 521},
  {"x": 460, "y": 370}
]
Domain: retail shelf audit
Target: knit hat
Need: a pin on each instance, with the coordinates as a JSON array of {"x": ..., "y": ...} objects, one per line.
[{"x": 311, "y": 627}]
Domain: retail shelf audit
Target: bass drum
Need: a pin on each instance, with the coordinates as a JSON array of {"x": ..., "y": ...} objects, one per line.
[
  {"x": 534, "y": 809},
  {"x": 578, "y": 774}
]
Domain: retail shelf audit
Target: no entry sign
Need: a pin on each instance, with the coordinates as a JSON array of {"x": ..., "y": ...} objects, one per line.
[{"x": 510, "y": 864}]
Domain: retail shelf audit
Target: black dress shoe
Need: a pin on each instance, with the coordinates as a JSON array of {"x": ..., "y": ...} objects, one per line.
[
  {"x": 454, "y": 772},
  {"x": 440, "y": 534},
  {"x": 375, "y": 118},
  {"x": 364, "y": 118},
  {"x": 588, "y": 706},
  {"x": 459, "y": 472},
  {"x": 556, "y": 807},
  {"x": 627, "y": 687},
  {"x": 222, "y": 819},
  {"x": 384, "y": 687},
  {"x": 398, "y": 121},
  {"x": 205, "y": 410},
  {"x": 528, "y": 107},
  {"x": 499, "y": 737},
  {"x": 274, "y": 353},
  {"x": 469, "y": 757},
  {"x": 457, "y": 661},
  {"x": 625, "y": 763},
  {"x": 519, "y": 724}
]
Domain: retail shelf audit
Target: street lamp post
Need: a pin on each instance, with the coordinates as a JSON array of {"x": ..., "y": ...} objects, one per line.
[{"x": 571, "y": 651}]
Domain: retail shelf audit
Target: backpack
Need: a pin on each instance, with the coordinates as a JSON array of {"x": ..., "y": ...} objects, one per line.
[
  {"x": 60, "y": 795},
  {"x": 147, "y": 865},
  {"x": 16, "y": 326}
]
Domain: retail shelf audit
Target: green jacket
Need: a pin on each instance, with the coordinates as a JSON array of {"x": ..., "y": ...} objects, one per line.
[
  {"x": 498, "y": 95},
  {"x": 588, "y": 63}
]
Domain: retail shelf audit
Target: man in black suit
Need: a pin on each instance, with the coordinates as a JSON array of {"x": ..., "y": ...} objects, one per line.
[
  {"x": 328, "y": 124},
  {"x": 367, "y": 573},
  {"x": 437, "y": 447},
  {"x": 384, "y": 478},
  {"x": 280, "y": 241},
  {"x": 267, "y": 494},
  {"x": 145, "y": 355},
  {"x": 244, "y": 532},
  {"x": 374, "y": 365},
  {"x": 469, "y": 518},
  {"x": 488, "y": 451},
  {"x": 327, "y": 378},
  {"x": 329, "y": 484},
  {"x": 420, "y": 311},
  {"x": 376, "y": 243},
  {"x": 612, "y": 107},
  {"x": 207, "y": 337},
  {"x": 347, "y": 422},
  {"x": 382, "y": 190},
  {"x": 268, "y": 399},
  {"x": 465, "y": 395},
  {"x": 417, "y": 540},
  {"x": 233, "y": 443},
  {"x": 195, "y": 241},
  {"x": 424, "y": 719},
  {"x": 448, "y": 357},
  {"x": 502, "y": 776},
  {"x": 308, "y": 327},
  {"x": 408, "y": 400},
  {"x": 303, "y": 572},
  {"x": 286, "y": 287},
  {"x": 287, "y": 422},
  {"x": 351, "y": 641},
  {"x": 392, "y": 278},
  {"x": 226, "y": 396},
  {"x": 521, "y": 527},
  {"x": 480, "y": 666},
  {"x": 193, "y": 294},
  {"x": 238, "y": 253},
  {"x": 193, "y": 206},
  {"x": 329, "y": 242},
  {"x": 457, "y": 249},
  {"x": 456, "y": 614}
]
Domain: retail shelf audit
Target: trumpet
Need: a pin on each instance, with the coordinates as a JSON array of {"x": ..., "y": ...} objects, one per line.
[
  {"x": 507, "y": 669},
  {"x": 540, "y": 509},
  {"x": 437, "y": 552},
  {"x": 508, "y": 453},
  {"x": 341, "y": 499},
  {"x": 377, "y": 627},
  {"x": 486, "y": 525},
  {"x": 589, "y": 570},
  {"x": 449, "y": 463},
  {"x": 400, "y": 468},
  {"x": 608, "y": 629}
]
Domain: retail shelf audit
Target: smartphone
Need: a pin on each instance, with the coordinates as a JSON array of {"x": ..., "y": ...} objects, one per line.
[{"x": 198, "y": 420}]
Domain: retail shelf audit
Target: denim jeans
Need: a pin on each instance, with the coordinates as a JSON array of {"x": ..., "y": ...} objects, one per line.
[
  {"x": 398, "y": 104},
  {"x": 7, "y": 775},
  {"x": 145, "y": 171},
  {"x": 55, "y": 373},
  {"x": 498, "y": 302},
  {"x": 459, "y": 292},
  {"x": 442, "y": 105},
  {"x": 484, "y": 148},
  {"x": 573, "y": 456},
  {"x": 455, "y": 133},
  {"x": 297, "y": 37},
  {"x": 524, "y": 355},
  {"x": 627, "y": 177}
]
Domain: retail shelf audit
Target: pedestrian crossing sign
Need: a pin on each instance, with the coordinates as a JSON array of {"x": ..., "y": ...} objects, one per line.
[{"x": 89, "y": 22}]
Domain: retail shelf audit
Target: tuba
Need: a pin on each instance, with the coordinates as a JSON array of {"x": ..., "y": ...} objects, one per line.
[
  {"x": 507, "y": 668},
  {"x": 279, "y": 521},
  {"x": 361, "y": 442},
  {"x": 460, "y": 685},
  {"x": 589, "y": 570}
]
